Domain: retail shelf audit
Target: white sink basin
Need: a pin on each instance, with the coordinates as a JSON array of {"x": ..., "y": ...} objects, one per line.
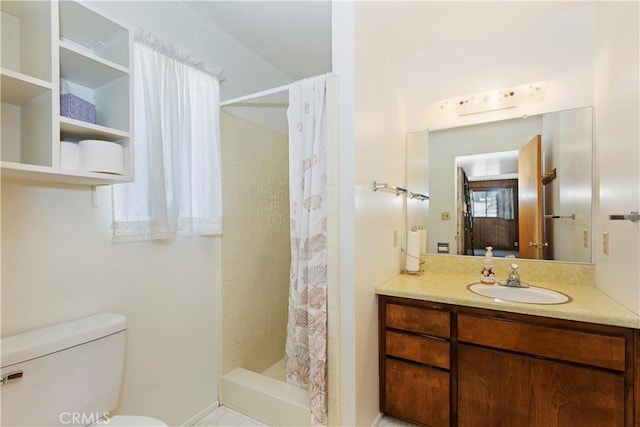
[{"x": 531, "y": 295}]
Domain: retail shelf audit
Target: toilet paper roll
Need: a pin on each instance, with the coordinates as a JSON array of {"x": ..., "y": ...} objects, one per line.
[
  {"x": 101, "y": 156},
  {"x": 423, "y": 241},
  {"x": 412, "y": 262},
  {"x": 69, "y": 155}
]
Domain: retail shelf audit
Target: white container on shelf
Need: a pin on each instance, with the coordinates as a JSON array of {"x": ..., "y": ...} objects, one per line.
[
  {"x": 69, "y": 155},
  {"x": 101, "y": 156}
]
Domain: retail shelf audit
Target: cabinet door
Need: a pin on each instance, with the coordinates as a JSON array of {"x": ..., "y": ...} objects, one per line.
[
  {"x": 501, "y": 389},
  {"x": 417, "y": 393}
]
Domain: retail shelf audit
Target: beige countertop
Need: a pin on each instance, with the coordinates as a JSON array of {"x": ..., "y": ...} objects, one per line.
[{"x": 589, "y": 304}]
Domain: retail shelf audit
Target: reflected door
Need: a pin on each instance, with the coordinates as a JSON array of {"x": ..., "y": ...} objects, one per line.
[
  {"x": 464, "y": 234},
  {"x": 530, "y": 215}
]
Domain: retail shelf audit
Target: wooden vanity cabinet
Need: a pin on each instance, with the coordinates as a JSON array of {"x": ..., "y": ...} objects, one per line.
[
  {"x": 493, "y": 368},
  {"x": 415, "y": 363},
  {"x": 497, "y": 388},
  {"x": 523, "y": 370}
]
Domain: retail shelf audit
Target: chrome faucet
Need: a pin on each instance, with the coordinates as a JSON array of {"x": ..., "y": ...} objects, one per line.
[{"x": 514, "y": 277}]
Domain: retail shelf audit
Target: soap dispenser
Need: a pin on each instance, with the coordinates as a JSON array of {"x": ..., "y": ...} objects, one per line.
[{"x": 488, "y": 269}]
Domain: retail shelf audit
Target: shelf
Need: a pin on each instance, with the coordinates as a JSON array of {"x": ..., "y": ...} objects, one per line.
[
  {"x": 25, "y": 40},
  {"x": 90, "y": 130},
  {"x": 19, "y": 89},
  {"x": 28, "y": 172},
  {"x": 85, "y": 26},
  {"x": 86, "y": 69},
  {"x": 48, "y": 43}
]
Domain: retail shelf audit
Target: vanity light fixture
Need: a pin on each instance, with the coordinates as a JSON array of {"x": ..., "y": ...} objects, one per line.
[{"x": 491, "y": 101}]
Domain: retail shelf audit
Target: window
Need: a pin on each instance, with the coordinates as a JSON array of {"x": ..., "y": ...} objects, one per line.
[{"x": 493, "y": 203}]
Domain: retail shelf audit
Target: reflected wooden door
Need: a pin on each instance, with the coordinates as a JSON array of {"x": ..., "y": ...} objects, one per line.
[
  {"x": 530, "y": 199},
  {"x": 464, "y": 232},
  {"x": 460, "y": 210}
]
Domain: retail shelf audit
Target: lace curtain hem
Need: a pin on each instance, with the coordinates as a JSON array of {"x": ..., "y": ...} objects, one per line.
[{"x": 125, "y": 232}]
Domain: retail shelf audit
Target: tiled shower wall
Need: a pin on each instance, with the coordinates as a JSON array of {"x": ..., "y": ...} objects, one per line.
[{"x": 255, "y": 244}]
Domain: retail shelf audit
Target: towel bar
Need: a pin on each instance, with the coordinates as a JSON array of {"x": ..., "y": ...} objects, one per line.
[{"x": 631, "y": 216}]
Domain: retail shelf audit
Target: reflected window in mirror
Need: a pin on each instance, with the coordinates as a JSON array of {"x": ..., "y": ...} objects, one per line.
[
  {"x": 495, "y": 216},
  {"x": 493, "y": 203}
]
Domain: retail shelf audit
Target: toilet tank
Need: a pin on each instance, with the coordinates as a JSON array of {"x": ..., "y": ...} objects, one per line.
[{"x": 63, "y": 375}]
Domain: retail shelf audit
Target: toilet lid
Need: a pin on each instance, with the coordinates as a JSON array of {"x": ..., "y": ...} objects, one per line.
[{"x": 132, "y": 421}]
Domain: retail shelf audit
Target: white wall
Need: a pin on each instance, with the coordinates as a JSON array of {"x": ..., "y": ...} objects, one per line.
[
  {"x": 58, "y": 262},
  {"x": 618, "y": 150},
  {"x": 417, "y": 146},
  {"x": 379, "y": 151},
  {"x": 343, "y": 64},
  {"x": 559, "y": 50},
  {"x": 567, "y": 148}
]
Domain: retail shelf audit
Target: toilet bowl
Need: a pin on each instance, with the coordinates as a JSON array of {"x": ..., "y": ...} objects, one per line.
[{"x": 66, "y": 375}]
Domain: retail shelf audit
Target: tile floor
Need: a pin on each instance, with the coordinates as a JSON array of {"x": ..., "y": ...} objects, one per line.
[
  {"x": 388, "y": 421},
  {"x": 224, "y": 417}
]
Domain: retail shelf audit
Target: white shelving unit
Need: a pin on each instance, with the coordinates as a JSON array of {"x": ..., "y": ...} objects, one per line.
[
  {"x": 48, "y": 44},
  {"x": 19, "y": 89}
]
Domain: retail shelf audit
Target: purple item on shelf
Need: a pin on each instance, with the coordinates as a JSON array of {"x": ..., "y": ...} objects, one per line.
[{"x": 77, "y": 108}]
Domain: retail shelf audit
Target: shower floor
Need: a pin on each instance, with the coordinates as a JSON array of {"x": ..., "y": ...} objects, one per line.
[
  {"x": 277, "y": 371},
  {"x": 266, "y": 397}
]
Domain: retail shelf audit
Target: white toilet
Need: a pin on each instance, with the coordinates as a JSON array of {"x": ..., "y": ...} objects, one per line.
[{"x": 66, "y": 375}]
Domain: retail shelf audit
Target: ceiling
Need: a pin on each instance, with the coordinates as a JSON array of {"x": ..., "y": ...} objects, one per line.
[
  {"x": 479, "y": 167},
  {"x": 409, "y": 27},
  {"x": 294, "y": 36}
]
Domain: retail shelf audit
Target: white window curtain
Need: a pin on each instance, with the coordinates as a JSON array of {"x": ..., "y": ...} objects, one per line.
[{"x": 177, "y": 188}]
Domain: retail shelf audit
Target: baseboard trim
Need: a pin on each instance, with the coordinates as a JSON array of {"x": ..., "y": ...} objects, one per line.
[
  {"x": 200, "y": 415},
  {"x": 376, "y": 422}
]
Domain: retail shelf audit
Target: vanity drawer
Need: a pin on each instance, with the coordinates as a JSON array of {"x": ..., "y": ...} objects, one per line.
[
  {"x": 428, "y": 351},
  {"x": 418, "y": 319},
  {"x": 417, "y": 393},
  {"x": 604, "y": 351}
]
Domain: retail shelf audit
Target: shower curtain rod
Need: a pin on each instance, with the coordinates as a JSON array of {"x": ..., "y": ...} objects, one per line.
[
  {"x": 255, "y": 95},
  {"x": 259, "y": 94}
]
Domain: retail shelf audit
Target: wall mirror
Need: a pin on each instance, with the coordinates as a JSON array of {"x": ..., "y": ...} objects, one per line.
[{"x": 523, "y": 186}]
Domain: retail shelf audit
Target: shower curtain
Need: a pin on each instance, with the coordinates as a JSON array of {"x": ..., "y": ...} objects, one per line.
[{"x": 306, "y": 345}]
